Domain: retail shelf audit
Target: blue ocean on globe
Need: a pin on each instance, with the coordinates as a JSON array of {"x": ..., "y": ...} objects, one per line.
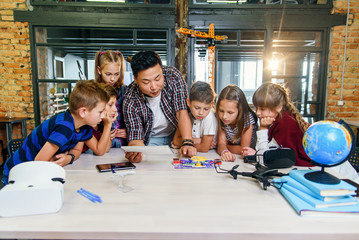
[{"x": 327, "y": 142}]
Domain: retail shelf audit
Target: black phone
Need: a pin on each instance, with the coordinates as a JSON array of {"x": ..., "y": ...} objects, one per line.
[{"x": 108, "y": 167}]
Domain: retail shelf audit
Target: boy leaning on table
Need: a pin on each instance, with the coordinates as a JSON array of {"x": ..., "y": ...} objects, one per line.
[
  {"x": 204, "y": 122},
  {"x": 60, "y": 139}
]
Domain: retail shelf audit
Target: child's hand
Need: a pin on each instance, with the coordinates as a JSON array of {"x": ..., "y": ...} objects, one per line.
[
  {"x": 61, "y": 159},
  {"x": 121, "y": 133},
  {"x": 107, "y": 118},
  {"x": 227, "y": 156},
  {"x": 188, "y": 151},
  {"x": 113, "y": 134},
  {"x": 265, "y": 122},
  {"x": 248, "y": 151},
  {"x": 174, "y": 146},
  {"x": 213, "y": 144}
]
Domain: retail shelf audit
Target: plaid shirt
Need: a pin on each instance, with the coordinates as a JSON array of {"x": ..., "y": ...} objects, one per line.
[{"x": 139, "y": 117}]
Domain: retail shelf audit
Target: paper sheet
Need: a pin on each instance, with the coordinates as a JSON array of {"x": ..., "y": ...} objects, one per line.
[{"x": 150, "y": 150}]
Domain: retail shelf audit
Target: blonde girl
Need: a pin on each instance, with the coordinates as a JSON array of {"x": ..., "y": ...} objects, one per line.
[
  {"x": 237, "y": 123},
  {"x": 110, "y": 68}
]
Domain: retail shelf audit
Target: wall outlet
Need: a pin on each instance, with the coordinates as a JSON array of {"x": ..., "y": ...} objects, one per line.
[{"x": 340, "y": 103}]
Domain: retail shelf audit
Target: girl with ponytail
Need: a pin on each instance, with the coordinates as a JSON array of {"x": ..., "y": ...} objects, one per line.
[
  {"x": 280, "y": 122},
  {"x": 110, "y": 68}
]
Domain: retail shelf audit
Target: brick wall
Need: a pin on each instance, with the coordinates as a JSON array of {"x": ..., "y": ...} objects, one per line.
[
  {"x": 350, "y": 107},
  {"x": 15, "y": 67}
]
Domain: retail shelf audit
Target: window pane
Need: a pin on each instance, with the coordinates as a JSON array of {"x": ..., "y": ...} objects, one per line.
[
  {"x": 64, "y": 62},
  {"x": 66, "y": 55},
  {"x": 239, "y": 60},
  {"x": 152, "y": 37},
  {"x": 296, "y": 39},
  {"x": 232, "y": 37},
  {"x": 111, "y": 1},
  {"x": 299, "y": 72},
  {"x": 103, "y": 36},
  {"x": 252, "y": 38},
  {"x": 53, "y": 99},
  {"x": 241, "y": 38},
  {"x": 247, "y": 74}
]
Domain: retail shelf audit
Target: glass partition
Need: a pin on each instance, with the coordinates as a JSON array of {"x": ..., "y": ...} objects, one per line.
[
  {"x": 299, "y": 72},
  {"x": 239, "y": 60},
  {"x": 107, "y": 1},
  {"x": 65, "y": 55}
]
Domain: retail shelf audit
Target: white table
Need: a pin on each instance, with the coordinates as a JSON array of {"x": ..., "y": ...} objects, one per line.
[{"x": 169, "y": 203}]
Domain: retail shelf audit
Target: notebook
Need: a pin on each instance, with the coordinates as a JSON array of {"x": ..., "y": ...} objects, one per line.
[
  {"x": 305, "y": 209},
  {"x": 294, "y": 183},
  {"x": 340, "y": 189}
]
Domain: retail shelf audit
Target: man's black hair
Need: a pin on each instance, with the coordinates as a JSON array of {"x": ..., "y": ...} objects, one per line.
[{"x": 144, "y": 60}]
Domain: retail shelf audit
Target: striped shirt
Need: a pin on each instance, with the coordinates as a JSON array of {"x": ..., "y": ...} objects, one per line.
[
  {"x": 139, "y": 117},
  {"x": 59, "y": 130},
  {"x": 231, "y": 133}
]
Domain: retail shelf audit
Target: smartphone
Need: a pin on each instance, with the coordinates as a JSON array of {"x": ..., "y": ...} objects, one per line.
[{"x": 115, "y": 166}]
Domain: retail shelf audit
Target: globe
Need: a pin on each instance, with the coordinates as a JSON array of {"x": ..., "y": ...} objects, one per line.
[{"x": 328, "y": 144}]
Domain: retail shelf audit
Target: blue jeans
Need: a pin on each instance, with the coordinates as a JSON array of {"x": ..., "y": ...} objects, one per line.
[{"x": 160, "y": 141}]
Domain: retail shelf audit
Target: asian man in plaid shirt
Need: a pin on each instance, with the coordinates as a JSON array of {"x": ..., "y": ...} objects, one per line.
[{"x": 155, "y": 105}]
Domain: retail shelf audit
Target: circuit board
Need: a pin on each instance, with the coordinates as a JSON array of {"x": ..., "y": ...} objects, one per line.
[{"x": 195, "y": 162}]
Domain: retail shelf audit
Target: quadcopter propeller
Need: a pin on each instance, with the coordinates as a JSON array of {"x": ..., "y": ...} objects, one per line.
[{"x": 233, "y": 171}]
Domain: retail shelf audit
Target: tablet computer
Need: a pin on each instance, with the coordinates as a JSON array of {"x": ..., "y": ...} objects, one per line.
[{"x": 108, "y": 167}]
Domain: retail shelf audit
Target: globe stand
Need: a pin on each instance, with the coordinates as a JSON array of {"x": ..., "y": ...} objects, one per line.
[{"x": 322, "y": 177}]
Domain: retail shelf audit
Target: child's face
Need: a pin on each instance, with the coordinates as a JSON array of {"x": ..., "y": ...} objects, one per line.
[
  {"x": 200, "y": 110},
  {"x": 111, "y": 107},
  {"x": 94, "y": 116},
  {"x": 228, "y": 111},
  {"x": 267, "y": 112},
  {"x": 110, "y": 73}
]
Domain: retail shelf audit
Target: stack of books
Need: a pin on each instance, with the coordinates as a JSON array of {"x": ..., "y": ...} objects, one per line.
[{"x": 311, "y": 198}]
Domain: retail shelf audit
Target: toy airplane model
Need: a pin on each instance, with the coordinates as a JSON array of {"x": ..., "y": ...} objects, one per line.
[{"x": 195, "y": 162}]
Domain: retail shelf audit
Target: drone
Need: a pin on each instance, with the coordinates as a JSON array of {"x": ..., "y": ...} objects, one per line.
[{"x": 262, "y": 174}]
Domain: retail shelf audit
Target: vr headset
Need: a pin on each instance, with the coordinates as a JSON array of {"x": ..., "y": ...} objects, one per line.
[{"x": 273, "y": 158}]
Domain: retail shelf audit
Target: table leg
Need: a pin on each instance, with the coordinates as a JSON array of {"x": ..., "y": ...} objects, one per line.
[
  {"x": 8, "y": 132},
  {"x": 23, "y": 128}
]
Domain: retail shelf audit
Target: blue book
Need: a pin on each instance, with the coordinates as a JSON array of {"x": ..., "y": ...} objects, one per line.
[
  {"x": 305, "y": 209},
  {"x": 297, "y": 185},
  {"x": 340, "y": 189},
  {"x": 314, "y": 202}
]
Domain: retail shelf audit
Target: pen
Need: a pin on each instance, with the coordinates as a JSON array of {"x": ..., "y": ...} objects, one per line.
[
  {"x": 92, "y": 195},
  {"x": 87, "y": 196}
]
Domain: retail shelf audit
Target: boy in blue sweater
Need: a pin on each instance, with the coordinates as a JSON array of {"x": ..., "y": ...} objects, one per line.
[{"x": 60, "y": 139}]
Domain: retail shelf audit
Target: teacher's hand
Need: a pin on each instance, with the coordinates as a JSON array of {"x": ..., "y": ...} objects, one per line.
[{"x": 134, "y": 157}]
